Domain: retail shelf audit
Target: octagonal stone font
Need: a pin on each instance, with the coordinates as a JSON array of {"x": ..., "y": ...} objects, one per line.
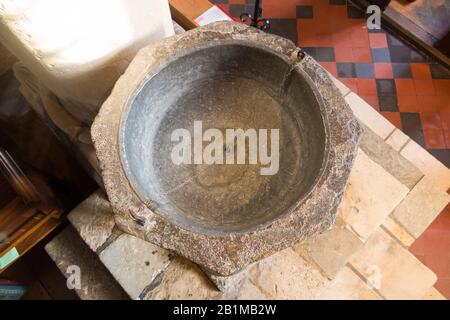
[{"x": 225, "y": 144}]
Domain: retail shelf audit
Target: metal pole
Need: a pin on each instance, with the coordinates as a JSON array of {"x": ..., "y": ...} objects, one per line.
[{"x": 256, "y": 13}]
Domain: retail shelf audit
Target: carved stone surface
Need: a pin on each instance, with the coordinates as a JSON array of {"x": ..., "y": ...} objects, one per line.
[
  {"x": 93, "y": 219},
  {"x": 226, "y": 251}
]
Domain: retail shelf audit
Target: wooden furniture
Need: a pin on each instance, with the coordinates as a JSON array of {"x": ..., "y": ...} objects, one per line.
[
  {"x": 184, "y": 12},
  {"x": 21, "y": 228}
]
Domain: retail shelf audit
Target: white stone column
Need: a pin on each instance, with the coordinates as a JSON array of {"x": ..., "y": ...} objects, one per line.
[{"x": 77, "y": 49}]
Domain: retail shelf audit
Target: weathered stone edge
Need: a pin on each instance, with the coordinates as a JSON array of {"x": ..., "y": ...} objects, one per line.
[{"x": 226, "y": 254}]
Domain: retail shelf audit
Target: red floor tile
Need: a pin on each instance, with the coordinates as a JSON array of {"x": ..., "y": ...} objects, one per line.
[
  {"x": 394, "y": 118},
  {"x": 277, "y": 11},
  {"x": 343, "y": 54},
  {"x": 405, "y": 87},
  {"x": 428, "y": 103},
  {"x": 323, "y": 40},
  {"x": 433, "y": 249},
  {"x": 431, "y": 120},
  {"x": 361, "y": 54},
  {"x": 445, "y": 119},
  {"x": 408, "y": 103},
  {"x": 359, "y": 37},
  {"x": 443, "y": 103},
  {"x": 445, "y": 108},
  {"x": 447, "y": 139},
  {"x": 330, "y": 67},
  {"x": 443, "y": 286},
  {"x": 378, "y": 40},
  {"x": 383, "y": 70},
  {"x": 341, "y": 38},
  {"x": 434, "y": 138},
  {"x": 350, "y": 83},
  {"x": 439, "y": 263},
  {"x": 423, "y": 87},
  {"x": 442, "y": 86},
  {"x": 418, "y": 248},
  {"x": 420, "y": 71},
  {"x": 366, "y": 86}
]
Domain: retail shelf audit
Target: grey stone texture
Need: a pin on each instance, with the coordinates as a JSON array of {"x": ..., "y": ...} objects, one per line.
[
  {"x": 94, "y": 220},
  {"x": 383, "y": 154},
  {"x": 421, "y": 206},
  {"x": 67, "y": 249},
  {"x": 228, "y": 253},
  {"x": 332, "y": 249},
  {"x": 134, "y": 263}
]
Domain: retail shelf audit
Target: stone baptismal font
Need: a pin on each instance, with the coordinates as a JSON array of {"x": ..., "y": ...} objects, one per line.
[{"x": 225, "y": 144}]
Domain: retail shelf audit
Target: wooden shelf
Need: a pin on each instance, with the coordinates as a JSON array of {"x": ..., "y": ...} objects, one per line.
[
  {"x": 22, "y": 228},
  {"x": 184, "y": 12}
]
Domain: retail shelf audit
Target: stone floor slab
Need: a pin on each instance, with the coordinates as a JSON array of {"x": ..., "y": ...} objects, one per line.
[
  {"x": 93, "y": 219},
  {"x": 397, "y": 140},
  {"x": 428, "y": 164},
  {"x": 181, "y": 280},
  {"x": 421, "y": 206},
  {"x": 67, "y": 249},
  {"x": 392, "y": 269},
  {"x": 371, "y": 195},
  {"x": 134, "y": 263},
  {"x": 285, "y": 275},
  {"x": 383, "y": 154},
  {"x": 332, "y": 249},
  {"x": 433, "y": 294},
  {"x": 398, "y": 232},
  {"x": 348, "y": 286}
]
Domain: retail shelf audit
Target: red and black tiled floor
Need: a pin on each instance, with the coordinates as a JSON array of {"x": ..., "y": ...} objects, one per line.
[
  {"x": 433, "y": 249},
  {"x": 407, "y": 88}
]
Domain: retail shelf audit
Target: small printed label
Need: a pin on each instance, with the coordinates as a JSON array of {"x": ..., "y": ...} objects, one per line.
[
  {"x": 8, "y": 257},
  {"x": 213, "y": 14}
]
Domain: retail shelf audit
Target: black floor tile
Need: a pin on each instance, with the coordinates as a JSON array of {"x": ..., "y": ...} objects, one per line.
[
  {"x": 338, "y": 2},
  {"x": 364, "y": 70},
  {"x": 325, "y": 54},
  {"x": 412, "y": 126},
  {"x": 417, "y": 57},
  {"x": 400, "y": 54},
  {"x": 388, "y": 103},
  {"x": 305, "y": 12},
  {"x": 285, "y": 28},
  {"x": 346, "y": 70},
  {"x": 354, "y": 13},
  {"x": 311, "y": 51},
  {"x": 393, "y": 41},
  {"x": 443, "y": 155},
  {"x": 401, "y": 70},
  {"x": 439, "y": 72},
  {"x": 381, "y": 55},
  {"x": 235, "y": 10},
  {"x": 386, "y": 87}
]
